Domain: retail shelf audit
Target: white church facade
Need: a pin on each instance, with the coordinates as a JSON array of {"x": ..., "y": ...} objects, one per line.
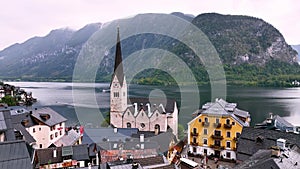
[{"x": 155, "y": 115}]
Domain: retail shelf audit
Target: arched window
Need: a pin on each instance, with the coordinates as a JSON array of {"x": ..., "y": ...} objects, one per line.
[
  {"x": 227, "y": 121},
  {"x": 157, "y": 127},
  {"x": 128, "y": 125},
  {"x": 143, "y": 125}
]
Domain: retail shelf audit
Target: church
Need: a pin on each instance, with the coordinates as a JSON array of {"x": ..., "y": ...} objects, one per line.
[{"x": 155, "y": 115}]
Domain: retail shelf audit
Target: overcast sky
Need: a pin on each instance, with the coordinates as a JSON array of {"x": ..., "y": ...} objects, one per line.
[{"x": 23, "y": 19}]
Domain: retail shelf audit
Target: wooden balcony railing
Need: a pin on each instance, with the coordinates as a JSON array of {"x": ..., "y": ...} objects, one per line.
[
  {"x": 205, "y": 124},
  {"x": 217, "y": 125},
  {"x": 194, "y": 134},
  {"x": 217, "y": 147},
  {"x": 219, "y": 137},
  {"x": 228, "y": 126},
  {"x": 194, "y": 144}
]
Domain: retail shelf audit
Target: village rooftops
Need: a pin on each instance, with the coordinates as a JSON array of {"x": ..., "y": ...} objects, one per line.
[
  {"x": 14, "y": 154},
  {"x": 68, "y": 139},
  {"x": 253, "y": 139},
  {"x": 48, "y": 116}
]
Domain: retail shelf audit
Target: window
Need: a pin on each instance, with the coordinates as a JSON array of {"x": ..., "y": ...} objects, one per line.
[
  {"x": 41, "y": 145},
  {"x": 228, "y": 144},
  {"x": 128, "y": 125},
  {"x": 228, "y": 134},
  {"x": 217, "y": 143},
  {"x": 217, "y": 120},
  {"x": 194, "y": 130},
  {"x": 143, "y": 125},
  {"x": 33, "y": 130},
  {"x": 194, "y": 149},
  {"x": 40, "y": 129},
  {"x": 227, "y": 121},
  {"x": 128, "y": 113},
  {"x": 228, "y": 154},
  {"x": 205, "y": 151},
  {"x": 51, "y": 136},
  {"x": 157, "y": 127},
  {"x": 205, "y": 131},
  {"x": 205, "y": 141},
  {"x": 116, "y": 94},
  {"x": 238, "y": 135},
  {"x": 60, "y": 124},
  {"x": 194, "y": 139},
  {"x": 200, "y": 120},
  {"x": 233, "y": 123},
  {"x": 206, "y": 120},
  {"x": 217, "y": 132},
  {"x": 60, "y": 132},
  {"x": 56, "y": 134}
]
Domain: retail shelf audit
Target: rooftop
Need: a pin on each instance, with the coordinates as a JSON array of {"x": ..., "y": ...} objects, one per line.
[
  {"x": 48, "y": 116},
  {"x": 14, "y": 154}
]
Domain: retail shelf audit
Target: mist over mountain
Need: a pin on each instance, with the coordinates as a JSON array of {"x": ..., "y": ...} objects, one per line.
[{"x": 245, "y": 44}]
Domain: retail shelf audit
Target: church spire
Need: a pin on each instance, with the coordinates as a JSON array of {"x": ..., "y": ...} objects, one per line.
[{"x": 118, "y": 69}]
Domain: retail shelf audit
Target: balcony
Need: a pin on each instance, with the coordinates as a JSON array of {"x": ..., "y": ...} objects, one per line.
[
  {"x": 217, "y": 125},
  {"x": 205, "y": 124},
  {"x": 227, "y": 126},
  {"x": 194, "y": 134},
  {"x": 218, "y": 137},
  {"x": 194, "y": 144},
  {"x": 217, "y": 147}
]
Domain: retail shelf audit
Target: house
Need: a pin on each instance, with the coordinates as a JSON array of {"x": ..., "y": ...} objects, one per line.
[
  {"x": 113, "y": 144},
  {"x": 216, "y": 129},
  {"x": 14, "y": 154},
  {"x": 2, "y": 92},
  {"x": 272, "y": 158},
  {"x": 49, "y": 127},
  {"x": 59, "y": 157},
  {"x": 253, "y": 140},
  {"x": 275, "y": 122},
  {"x": 146, "y": 115},
  {"x": 147, "y": 163}
]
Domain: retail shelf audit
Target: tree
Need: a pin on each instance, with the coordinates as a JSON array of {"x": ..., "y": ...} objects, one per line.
[
  {"x": 180, "y": 131},
  {"x": 9, "y": 100}
]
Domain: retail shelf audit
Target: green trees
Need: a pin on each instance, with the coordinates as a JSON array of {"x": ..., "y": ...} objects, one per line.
[{"x": 9, "y": 100}]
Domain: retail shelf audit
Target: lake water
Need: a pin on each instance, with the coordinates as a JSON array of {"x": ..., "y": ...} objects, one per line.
[{"x": 87, "y": 102}]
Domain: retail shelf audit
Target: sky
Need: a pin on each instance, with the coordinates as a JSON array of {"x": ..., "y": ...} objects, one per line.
[{"x": 23, "y": 19}]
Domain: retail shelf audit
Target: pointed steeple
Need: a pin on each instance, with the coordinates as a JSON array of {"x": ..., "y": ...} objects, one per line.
[{"x": 118, "y": 69}]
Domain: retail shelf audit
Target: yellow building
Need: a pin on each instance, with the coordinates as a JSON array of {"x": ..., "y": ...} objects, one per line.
[{"x": 215, "y": 130}]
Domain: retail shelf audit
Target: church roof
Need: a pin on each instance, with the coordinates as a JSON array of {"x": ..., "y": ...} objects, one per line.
[
  {"x": 118, "y": 69},
  {"x": 168, "y": 104}
]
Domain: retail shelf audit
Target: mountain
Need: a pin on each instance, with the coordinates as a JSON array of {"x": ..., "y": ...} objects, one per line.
[
  {"x": 251, "y": 50},
  {"x": 240, "y": 39},
  {"x": 45, "y": 58},
  {"x": 297, "y": 48}
]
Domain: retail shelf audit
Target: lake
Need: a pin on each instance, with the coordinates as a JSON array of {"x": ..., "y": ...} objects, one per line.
[{"x": 88, "y": 103}]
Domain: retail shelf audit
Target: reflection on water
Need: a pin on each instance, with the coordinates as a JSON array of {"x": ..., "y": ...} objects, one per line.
[{"x": 258, "y": 101}]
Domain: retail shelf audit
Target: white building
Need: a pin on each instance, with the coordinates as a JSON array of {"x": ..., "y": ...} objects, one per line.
[{"x": 50, "y": 127}]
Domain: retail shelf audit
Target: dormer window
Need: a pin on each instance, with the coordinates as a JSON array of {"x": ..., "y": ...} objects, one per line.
[{"x": 45, "y": 116}]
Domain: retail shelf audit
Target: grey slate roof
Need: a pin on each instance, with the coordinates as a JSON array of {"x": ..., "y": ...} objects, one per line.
[
  {"x": 3, "y": 126},
  {"x": 80, "y": 152},
  {"x": 14, "y": 155},
  {"x": 9, "y": 132},
  {"x": 154, "y": 103},
  {"x": 68, "y": 139},
  {"x": 248, "y": 144},
  {"x": 96, "y": 135},
  {"x": 55, "y": 118},
  {"x": 28, "y": 137}
]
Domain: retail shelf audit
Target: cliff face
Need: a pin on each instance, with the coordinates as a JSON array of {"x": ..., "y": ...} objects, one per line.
[{"x": 240, "y": 39}]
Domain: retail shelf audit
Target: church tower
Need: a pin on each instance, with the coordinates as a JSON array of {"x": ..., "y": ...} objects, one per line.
[{"x": 118, "y": 88}]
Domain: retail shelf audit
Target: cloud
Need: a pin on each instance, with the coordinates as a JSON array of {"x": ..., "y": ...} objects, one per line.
[{"x": 21, "y": 20}]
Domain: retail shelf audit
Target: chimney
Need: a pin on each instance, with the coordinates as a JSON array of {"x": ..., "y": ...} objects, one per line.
[
  {"x": 135, "y": 108},
  {"x": 54, "y": 153},
  {"x": 281, "y": 143},
  {"x": 149, "y": 107},
  {"x": 141, "y": 138}
]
